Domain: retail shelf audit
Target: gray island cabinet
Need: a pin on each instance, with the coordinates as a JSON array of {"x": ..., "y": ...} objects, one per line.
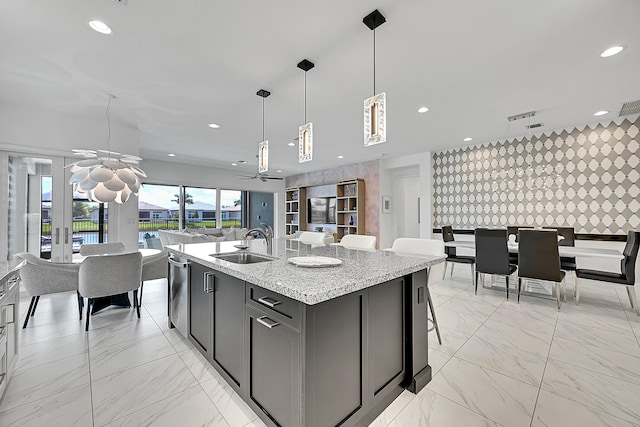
[{"x": 311, "y": 346}]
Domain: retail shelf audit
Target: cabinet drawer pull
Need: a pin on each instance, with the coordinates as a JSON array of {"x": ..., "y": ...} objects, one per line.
[
  {"x": 208, "y": 286},
  {"x": 269, "y": 323},
  {"x": 268, "y": 301}
]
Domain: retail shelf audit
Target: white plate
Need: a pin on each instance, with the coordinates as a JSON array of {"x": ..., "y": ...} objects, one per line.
[{"x": 314, "y": 261}]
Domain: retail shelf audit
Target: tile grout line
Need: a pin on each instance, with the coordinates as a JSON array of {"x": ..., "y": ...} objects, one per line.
[
  {"x": 93, "y": 418},
  {"x": 546, "y": 362}
]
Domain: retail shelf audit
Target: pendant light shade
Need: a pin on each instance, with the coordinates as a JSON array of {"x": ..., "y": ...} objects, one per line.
[
  {"x": 105, "y": 175},
  {"x": 305, "y": 132},
  {"x": 375, "y": 107},
  {"x": 263, "y": 147}
]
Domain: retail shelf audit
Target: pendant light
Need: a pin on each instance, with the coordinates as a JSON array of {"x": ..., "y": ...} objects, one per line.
[
  {"x": 305, "y": 132},
  {"x": 105, "y": 175},
  {"x": 263, "y": 147},
  {"x": 375, "y": 107}
]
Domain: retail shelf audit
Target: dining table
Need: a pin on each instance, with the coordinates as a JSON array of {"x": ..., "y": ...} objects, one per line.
[
  {"x": 564, "y": 251},
  {"x": 537, "y": 288}
]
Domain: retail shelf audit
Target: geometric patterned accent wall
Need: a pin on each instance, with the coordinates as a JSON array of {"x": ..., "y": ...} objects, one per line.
[{"x": 587, "y": 178}]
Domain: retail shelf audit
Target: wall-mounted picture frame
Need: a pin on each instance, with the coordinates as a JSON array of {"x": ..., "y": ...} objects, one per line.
[{"x": 386, "y": 204}]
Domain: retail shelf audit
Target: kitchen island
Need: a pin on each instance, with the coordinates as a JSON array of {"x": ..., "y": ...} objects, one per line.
[{"x": 309, "y": 346}]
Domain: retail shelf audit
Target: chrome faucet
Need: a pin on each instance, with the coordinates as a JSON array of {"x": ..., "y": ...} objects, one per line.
[{"x": 267, "y": 233}]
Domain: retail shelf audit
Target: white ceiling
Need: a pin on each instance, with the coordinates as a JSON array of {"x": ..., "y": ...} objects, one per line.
[{"x": 176, "y": 66}]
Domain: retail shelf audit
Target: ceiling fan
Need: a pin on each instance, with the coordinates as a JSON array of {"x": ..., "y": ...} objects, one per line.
[{"x": 262, "y": 177}]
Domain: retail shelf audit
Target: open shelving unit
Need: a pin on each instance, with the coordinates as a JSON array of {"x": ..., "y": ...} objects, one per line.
[
  {"x": 350, "y": 201},
  {"x": 296, "y": 209}
]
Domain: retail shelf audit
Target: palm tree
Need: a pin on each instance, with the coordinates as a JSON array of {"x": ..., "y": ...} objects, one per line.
[{"x": 188, "y": 199}]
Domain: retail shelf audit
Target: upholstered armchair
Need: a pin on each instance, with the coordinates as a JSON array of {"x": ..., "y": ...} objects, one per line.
[{"x": 41, "y": 277}]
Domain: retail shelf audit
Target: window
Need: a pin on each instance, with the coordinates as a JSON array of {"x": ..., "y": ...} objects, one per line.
[
  {"x": 158, "y": 209},
  {"x": 231, "y": 208},
  {"x": 199, "y": 207}
]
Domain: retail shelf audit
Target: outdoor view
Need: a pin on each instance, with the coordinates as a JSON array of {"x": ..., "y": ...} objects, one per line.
[{"x": 159, "y": 208}]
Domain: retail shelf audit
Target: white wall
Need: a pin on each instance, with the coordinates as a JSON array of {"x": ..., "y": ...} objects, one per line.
[{"x": 392, "y": 168}]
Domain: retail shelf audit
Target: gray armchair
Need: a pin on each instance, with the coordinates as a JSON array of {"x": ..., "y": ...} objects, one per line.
[
  {"x": 101, "y": 248},
  {"x": 102, "y": 276},
  {"x": 154, "y": 267},
  {"x": 41, "y": 277}
]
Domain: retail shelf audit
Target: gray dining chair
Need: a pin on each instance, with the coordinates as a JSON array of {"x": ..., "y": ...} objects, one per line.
[
  {"x": 106, "y": 275},
  {"x": 431, "y": 247},
  {"x": 627, "y": 275},
  {"x": 41, "y": 277},
  {"x": 539, "y": 258},
  {"x": 101, "y": 248}
]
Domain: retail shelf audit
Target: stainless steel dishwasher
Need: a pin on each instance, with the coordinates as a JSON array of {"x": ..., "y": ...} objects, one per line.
[{"x": 178, "y": 298}]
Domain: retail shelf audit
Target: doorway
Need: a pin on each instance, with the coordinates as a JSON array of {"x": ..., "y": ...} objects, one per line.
[{"x": 405, "y": 206}]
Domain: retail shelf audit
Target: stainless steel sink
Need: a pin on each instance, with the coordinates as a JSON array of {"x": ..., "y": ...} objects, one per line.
[{"x": 243, "y": 258}]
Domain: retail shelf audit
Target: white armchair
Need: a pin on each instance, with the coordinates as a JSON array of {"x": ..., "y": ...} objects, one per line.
[
  {"x": 41, "y": 277},
  {"x": 101, "y": 248}
]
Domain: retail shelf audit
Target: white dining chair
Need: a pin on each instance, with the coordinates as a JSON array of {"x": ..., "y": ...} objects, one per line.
[
  {"x": 358, "y": 241},
  {"x": 312, "y": 237},
  {"x": 431, "y": 247}
]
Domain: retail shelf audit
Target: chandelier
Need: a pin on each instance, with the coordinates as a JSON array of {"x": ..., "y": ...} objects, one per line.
[{"x": 105, "y": 175}]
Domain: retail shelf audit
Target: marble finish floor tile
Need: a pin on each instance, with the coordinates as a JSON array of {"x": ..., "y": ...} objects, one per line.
[
  {"x": 179, "y": 342},
  {"x": 385, "y": 418},
  {"x": 556, "y": 411},
  {"x": 201, "y": 369},
  {"x": 68, "y": 408},
  {"x": 190, "y": 407},
  {"x": 47, "y": 331},
  {"x": 595, "y": 358},
  {"x": 35, "y": 383},
  {"x": 508, "y": 349},
  {"x": 601, "y": 392},
  {"x": 119, "y": 332},
  {"x": 49, "y": 351},
  {"x": 116, "y": 358},
  {"x": 478, "y": 310},
  {"x": 623, "y": 343},
  {"x": 236, "y": 412},
  {"x": 605, "y": 319},
  {"x": 429, "y": 409},
  {"x": 131, "y": 390},
  {"x": 531, "y": 317},
  {"x": 437, "y": 359},
  {"x": 500, "y": 398}
]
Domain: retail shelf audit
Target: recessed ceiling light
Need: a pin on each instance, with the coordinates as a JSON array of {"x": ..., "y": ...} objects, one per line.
[
  {"x": 600, "y": 113},
  {"x": 291, "y": 144},
  {"x": 611, "y": 51},
  {"x": 213, "y": 125},
  {"x": 100, "y": 27},
  {"x": 341, "y": 157},
  {"x": 279, "y": 171},
  {"x": 234, "y": 164},
  {"x": 467, "y": 139},
  {"x": 423, "y": 109},
  {"x": 171, "y": 155}
]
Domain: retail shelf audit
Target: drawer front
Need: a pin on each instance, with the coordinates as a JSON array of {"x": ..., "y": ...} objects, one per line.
[{"x": 285, "y": 309}]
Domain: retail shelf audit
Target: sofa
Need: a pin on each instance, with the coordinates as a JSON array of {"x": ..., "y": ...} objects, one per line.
[{"x": 201, "y": 235}]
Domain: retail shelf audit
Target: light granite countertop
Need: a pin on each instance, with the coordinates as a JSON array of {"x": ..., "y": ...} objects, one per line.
[{"x": 360, "y": 269}]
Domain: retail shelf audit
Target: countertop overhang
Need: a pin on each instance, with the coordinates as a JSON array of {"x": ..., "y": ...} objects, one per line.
[{"x": 360, "y": 269}]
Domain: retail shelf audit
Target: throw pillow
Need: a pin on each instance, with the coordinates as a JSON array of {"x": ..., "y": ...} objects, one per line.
[
  {"x": 229, "y": 233},
  {"x": 240, "y": 232}
]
